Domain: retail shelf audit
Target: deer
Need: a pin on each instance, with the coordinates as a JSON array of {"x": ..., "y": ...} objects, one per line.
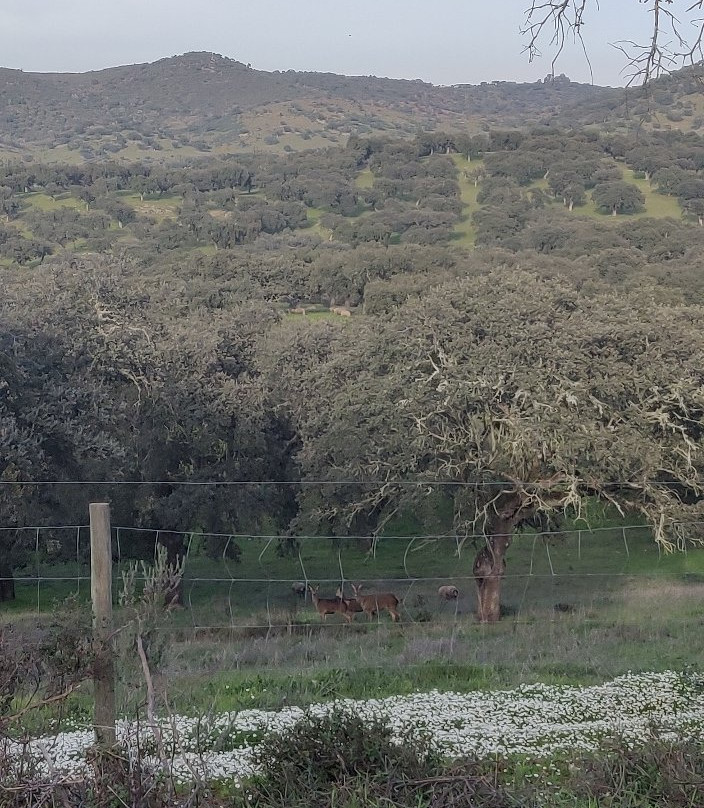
[
  {"x": 341, "y": 310},
  {"x": 353, "y": 605},
  {"x": 298, "y": 588},
  {"x": 298, "y": 310},
  {"x": 376, "y": 601},
  {"x": 449, "y": 592},
  {"x": 326, "y": 606}
]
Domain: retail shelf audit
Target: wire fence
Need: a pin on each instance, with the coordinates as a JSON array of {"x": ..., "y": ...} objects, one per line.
[
  {"x": 573, "y": 599},
  {"x": 247, "y": 582}
]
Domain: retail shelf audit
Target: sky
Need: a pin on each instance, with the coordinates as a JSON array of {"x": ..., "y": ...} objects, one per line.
[{"x": 449, "y": 42}]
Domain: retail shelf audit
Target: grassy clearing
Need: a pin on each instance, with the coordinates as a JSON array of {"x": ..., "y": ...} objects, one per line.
[
  {"x": 464, "y": 231},
  {"x": 316, "y": 227},
  {"x": 45, "y": 203},
  {"x": 656, "y": 205},
  {"x": 244, "y": 639},
  {"x": 155, "y": 206},
  {"x": 365, "y": 179}
]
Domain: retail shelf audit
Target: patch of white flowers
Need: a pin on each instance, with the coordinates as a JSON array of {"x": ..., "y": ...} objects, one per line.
[{"x": 535, "y": 720}]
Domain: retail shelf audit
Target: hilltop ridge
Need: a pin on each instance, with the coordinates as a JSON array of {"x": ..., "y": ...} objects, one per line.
[{"x": 199, "y": 102}]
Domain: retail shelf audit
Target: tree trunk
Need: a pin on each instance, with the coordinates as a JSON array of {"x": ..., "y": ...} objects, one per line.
[
  {"x": 7, "y": 582},
  {"x": 490, "y": 562},
  {"x": 489, "y": 568}
]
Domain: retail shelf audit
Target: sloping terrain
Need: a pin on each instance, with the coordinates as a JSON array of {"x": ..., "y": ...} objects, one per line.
[{"x": 201, "y": 101}]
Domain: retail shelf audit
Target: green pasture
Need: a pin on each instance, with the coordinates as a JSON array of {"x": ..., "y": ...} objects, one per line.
[
  {"x": 658, "y": 206},
  {"x": 464, "y": 229},
  {"x": 45, "y": 203},
  {"x": 365, "y": 179},
  {"x": 313, "y": 214},
  {"x": 579, "y": 608},
  {"x": 153, "y": 205}
]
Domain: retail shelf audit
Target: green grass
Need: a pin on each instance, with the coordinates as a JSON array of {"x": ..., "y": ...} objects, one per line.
[
  {"x": 464, "y": 231},
  {"x": 316, "y": 227},
  {"x": 365, "y": 179},
  {"x": 43, "y": 202},
  {"x": 628, "y": 608},
  {"x": 153, "y": 205},
  {"x": 656, "y": 205}
]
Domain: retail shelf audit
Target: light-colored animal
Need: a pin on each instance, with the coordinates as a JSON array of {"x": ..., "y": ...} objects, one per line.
[
  {"x": 297, "y": 310},
  {"x": 326, "y": 606},
  {"x": 449, "y": 592},
  {"x": 376, "y": 601},
  {"x": 343, "y": 312},
  {"x": 353, "y": 605},
  {"x": 299, "y": 588}
]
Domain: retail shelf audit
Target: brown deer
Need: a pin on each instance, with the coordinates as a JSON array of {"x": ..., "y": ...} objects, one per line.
[
  {"x": 298, "y": 310},
  {"x": 449, "y": 592},
  {"x": 343, "y": 312},
  {"x": 326, "y": 606},
  {"x": 353, "y": 605},
  {"x": 376, "y": 601}
]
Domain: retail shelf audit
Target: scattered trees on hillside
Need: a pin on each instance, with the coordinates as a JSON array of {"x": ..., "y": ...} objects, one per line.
[{"x": 618, "y": 197}]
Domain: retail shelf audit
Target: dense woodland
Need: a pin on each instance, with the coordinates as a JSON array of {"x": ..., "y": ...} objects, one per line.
[{"x": 523, "y": 321}]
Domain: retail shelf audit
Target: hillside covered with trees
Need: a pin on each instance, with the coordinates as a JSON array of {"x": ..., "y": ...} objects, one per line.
[
  {"x": 521, "y": 327},
  {"x": 201, "y": 103}
]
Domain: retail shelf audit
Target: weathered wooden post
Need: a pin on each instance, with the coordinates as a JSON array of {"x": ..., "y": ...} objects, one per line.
[{"x": 101, "y": 596}]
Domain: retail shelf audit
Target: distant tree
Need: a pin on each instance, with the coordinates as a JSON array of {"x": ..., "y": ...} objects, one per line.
[
  {"x": 568, "y": 185},
  {"x": 694, "y": 207},
  {"x": 668, "y": 179},
  {"x": 9, "y": 204},
  {"x": 618, "y": 197}
]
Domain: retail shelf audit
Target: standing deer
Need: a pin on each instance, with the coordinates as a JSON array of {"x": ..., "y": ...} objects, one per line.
[
  {"x": 449, "y": 592},
  {"x": 376, "y": 601},
  {"x": 326, "y": 606},
  {"x": 353, "y": 605}
]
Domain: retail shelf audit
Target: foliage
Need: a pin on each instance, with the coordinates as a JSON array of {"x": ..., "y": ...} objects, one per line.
[{"x": 343, "y": 759}]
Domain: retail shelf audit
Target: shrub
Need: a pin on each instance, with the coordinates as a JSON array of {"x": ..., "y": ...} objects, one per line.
[
  {"x": 340, "y": 759},
  {"x": 655, "y": 773}
]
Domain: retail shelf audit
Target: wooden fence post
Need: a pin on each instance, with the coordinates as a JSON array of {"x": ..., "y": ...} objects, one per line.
[{"x": 101, "y": 596}]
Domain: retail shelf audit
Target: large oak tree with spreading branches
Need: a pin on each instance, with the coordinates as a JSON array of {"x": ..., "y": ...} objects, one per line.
[{"x": 522, "y": 398}]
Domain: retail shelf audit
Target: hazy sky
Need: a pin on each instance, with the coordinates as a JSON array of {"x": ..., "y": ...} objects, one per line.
[{"x": 450, "y": 42}]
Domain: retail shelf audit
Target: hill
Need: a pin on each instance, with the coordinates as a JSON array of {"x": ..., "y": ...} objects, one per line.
[{"x": 201, "y": 102}]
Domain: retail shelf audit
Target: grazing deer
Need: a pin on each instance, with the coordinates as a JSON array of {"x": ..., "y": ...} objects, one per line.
[
  {"x": 449, "y": 592},
  {"x": 376, "y": 601},
  {"x": 353, "y": 605},
  {"x": 326, "y": 606}
]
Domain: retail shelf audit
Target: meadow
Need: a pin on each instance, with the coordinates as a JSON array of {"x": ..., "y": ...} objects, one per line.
[{"x": 579, "y": 608}]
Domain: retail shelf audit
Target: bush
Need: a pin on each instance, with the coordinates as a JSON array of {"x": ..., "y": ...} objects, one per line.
[
  {"x": 657, "y": 773},
  {"x": 340, "y": 759}
]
